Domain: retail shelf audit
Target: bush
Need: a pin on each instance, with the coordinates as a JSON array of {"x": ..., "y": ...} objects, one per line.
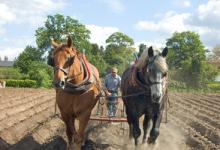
[
  {"x": 214, "y": 86},
  {"x": 41, "y": 77},
  {"x": 21, "y": 83},
  {"x": 41, "y": 73},
  {"x": 177, "y": 84}
]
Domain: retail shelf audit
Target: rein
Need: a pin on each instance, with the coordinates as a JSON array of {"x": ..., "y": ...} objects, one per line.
[{"x": 130, "y": 95}]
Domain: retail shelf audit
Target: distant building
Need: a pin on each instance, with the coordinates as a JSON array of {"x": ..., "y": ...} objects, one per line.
[{"x": 6, "y": 62}]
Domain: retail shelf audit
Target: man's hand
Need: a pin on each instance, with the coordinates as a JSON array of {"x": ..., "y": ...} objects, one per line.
[{"x": 107, "y": 93}]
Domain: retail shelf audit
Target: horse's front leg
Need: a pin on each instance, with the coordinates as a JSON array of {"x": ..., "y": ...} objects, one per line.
[
  {"x": 83, "y": 122},
  {"x": 70, "y": 129},
  {"x": 145, "y": 127},
  {"x": 155, "y": 128},
  {"x": 134, "y": 126}
]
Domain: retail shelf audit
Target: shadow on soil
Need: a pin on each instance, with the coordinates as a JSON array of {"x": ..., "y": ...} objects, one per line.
[{"x": 57, "y": 143}]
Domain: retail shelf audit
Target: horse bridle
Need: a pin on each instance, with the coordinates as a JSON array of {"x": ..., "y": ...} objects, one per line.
[
  {"x": 148, "y": 78},
  {"x": 66, "y": 70}
]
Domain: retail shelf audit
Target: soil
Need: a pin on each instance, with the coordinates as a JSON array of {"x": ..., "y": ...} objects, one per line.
[{"x": 28, "y": 122}]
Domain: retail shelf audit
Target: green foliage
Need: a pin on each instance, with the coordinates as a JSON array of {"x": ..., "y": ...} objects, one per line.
[
  {"x": 119, "y": 52},
  {"x": 215, "y": 55},
  {"x": 120, "y": 39},
  {"x": 41, "y": 73},
  {"x": 184, "y": 46},
  {"x": 216, "y": 50},
  {"x": 11, "y": 73},
  {"x": 26, "y": 57},
  {"x": 177, "y": 84},
  {"x": 30, "y": 62},
  {"x": 187, "y": 56},
  {"x": 142, "y": 47},
  {"x": 21, "y": 83},
  {"x": 214, "y": 86},
  {"x": 58, "y": 27},
  {"x": 95, "y": 57}
]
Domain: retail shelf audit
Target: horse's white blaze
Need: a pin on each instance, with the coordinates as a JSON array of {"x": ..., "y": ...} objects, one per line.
[{"x": 156, "y": 89}]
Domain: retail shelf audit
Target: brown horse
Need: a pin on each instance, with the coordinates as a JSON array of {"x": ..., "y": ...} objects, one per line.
[{"x": 77, "y": 86}]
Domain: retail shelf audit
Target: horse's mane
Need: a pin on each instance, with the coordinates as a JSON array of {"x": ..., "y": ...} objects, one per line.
[
  {"x": 142, "y": 61},
  {"x": 159, "y": 61},
  {"x": 161, "y": 64}
]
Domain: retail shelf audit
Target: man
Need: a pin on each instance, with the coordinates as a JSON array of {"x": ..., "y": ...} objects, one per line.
[{"x": 112, "y": 84}]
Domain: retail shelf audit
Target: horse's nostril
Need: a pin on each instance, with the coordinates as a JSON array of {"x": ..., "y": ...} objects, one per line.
[
  {"x": 62, "y": 83},
  {"x": 59, "y": 84},
  {"x": 156, "y": 96}
]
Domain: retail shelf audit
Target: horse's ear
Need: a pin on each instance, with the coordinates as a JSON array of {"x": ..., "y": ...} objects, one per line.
[
  {"x": 164, "y": 52},
  {"x": 69, "y": 42},
  {"x": 54, "y": 44},
  {"x": 150, "y": 52}
]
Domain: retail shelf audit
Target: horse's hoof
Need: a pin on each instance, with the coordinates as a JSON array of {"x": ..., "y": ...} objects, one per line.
[
  {"x": 70, "y": 147},
  {"x": 144, "y": 141},
  {"x": 151, "y": 141}
]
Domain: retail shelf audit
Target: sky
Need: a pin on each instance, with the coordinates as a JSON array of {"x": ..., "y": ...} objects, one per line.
[{"x": 146, "y": 21}]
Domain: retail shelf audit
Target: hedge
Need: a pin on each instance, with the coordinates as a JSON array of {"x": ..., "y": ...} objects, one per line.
[
  {"x": 11, "y": 73},
  {"x": 177, "y": 84},
  {"x": 214, "y": 86},
  {"x": 21, "y": 83}
]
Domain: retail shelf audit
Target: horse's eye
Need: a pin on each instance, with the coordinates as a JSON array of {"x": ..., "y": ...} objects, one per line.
[
  {"x": 164, "y": 75},
  {"x": 70, "y": 60},
  {"x": 150, "y": 70},
  {"x": 67, "y": 59},
  {"x": 50, "y": 61}
]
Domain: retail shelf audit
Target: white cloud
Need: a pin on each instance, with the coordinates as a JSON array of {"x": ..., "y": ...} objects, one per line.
[
  {"x": 169, "y": 23},
  {"x": 157, "y": 44},
  {"x": 100, "y": 34},
  {"x": 207, "y": 15},
  {"x": 181, "y": 3},
  {"x": 115, "y": 5},
  {"x": 11, "y": 52},
  {"x": 186, "y": 3},
  {"x": 26, "y": 11},
  {"x": 203, "y": 21},
  {"x": 14, "y": 46},
  {"x": 5, "y": 16},
  {"x": 5, "y": 13}
]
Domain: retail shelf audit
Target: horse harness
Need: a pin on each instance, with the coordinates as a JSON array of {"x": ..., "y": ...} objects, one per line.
[{"x": 87, "y": 82}]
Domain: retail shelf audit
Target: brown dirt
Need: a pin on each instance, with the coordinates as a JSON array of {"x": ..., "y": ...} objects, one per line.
[{"x": 27, "y": 121}]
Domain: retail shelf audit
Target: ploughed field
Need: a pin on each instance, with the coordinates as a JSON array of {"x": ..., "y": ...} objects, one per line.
[{"x": 28, "y": 121}]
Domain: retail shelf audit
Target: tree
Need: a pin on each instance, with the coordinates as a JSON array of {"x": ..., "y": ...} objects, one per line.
[
  {"x": 142, "y": 47},
  {"x": 185, "y": 46},
  {"x": 41, "y": 73},
  {"x": 95, "y": 56},
  {"x": 188, "y": 54},
  {"x": 29, "y": 55},
  {"x": 58, "y": 28},
  {"x": 216, "y": 53},
  {"x": 119, "y": 51},
  {"x": 120, "y": 39}
]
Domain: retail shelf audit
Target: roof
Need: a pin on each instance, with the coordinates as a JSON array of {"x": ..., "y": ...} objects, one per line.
[{"x": 6, "y": 63}]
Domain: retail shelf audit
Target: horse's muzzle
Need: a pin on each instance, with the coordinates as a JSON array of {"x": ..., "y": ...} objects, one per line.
[
  {"x": 156, "y": 98},
  {"x": 59, "y": 84}
]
